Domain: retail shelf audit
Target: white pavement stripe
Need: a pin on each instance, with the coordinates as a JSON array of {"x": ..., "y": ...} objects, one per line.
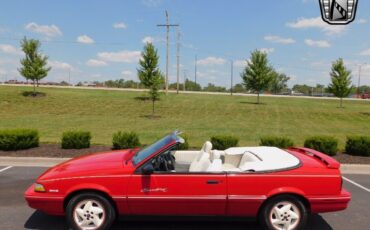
[
  {"x": 356, "y": 184},
  {"x": 2, "y": 170}
]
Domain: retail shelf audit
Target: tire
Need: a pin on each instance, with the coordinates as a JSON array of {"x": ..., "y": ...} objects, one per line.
[
  {"x": 283, "y": 211},
  {"x": 90, "y": 211}
]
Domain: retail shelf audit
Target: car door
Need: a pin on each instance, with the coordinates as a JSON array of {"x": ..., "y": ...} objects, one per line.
[{"x": 172, "y": 193}]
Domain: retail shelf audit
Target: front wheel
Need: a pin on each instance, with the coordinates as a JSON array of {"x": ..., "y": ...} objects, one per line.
[
  {"x": 284, "y": 212},
  {"x": 89, "y": 211}
]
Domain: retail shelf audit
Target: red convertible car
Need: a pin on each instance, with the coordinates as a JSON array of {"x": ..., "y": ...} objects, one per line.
[{"x": 279, "y": 187}]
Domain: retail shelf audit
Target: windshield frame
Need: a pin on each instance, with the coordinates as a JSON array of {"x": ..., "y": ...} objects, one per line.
[{"x": 155, "y": 148}]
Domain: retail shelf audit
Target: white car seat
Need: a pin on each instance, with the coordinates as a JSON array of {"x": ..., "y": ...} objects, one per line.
[
  {"x": 202, "y": 162},
  {"x": 216, "y": 165}
]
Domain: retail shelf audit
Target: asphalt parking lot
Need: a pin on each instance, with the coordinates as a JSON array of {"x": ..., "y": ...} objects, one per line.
[{"x": 15, "y": 214}]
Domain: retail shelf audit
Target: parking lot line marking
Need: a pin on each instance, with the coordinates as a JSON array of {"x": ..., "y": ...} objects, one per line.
[
  {"x": 358, "y": 185},
  {"x": 2, "y": 170}
]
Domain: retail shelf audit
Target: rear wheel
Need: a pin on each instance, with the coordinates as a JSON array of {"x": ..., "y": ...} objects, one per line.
[
  {"x": 90, "y": 211},
  {"x": 284, "y": 212}
]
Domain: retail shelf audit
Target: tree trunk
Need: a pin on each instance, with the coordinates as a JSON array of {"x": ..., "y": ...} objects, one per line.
[
  {"x": 153, "y": 107},
  {"x": 341, "y": 102},
  {"x": 37, "y": 82},
  {"x": 258, "y": 98},
  {"x": 34, "y": 88}
]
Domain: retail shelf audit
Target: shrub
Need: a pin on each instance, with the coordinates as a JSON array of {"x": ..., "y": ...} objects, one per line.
[
  {"x": 280, "y": 142},
  {"x": 327, "y": 145},
  {"x": 125, "y": 140},
  {"x": 224, "y": 142},
  {"x": 76, "y": 140},
  {"x": 358, "y": 146},
  {"x": 17, "y": 139},
  {"x": 185, "y": 145}
]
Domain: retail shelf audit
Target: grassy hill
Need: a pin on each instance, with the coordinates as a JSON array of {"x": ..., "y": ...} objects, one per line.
[{"x": 103, "y": 112}]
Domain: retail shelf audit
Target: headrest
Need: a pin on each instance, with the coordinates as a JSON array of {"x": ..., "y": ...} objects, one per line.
[
  {"x": 216, "y": 154},
  {"x": 207, "y": 147}
]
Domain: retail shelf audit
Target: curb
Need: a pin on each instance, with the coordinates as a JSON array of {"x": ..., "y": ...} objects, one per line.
[
  {"x": 31, "y": 161},
  {"x": 49, "y": 162}
]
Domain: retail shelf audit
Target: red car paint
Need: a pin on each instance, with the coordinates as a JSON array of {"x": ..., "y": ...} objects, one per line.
[{"x": 317, "y": 180}]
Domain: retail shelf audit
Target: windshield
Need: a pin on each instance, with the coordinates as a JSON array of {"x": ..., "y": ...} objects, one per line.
[{"x": 149, "y": 150}]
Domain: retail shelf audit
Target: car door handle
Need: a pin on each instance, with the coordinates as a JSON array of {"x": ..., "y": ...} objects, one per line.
[{"x": 212, "y": 182}]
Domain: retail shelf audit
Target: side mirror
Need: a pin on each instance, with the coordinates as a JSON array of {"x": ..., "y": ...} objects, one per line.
[{"x": 147, "y": 169}]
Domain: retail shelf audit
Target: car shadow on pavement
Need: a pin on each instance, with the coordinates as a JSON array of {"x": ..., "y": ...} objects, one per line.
[{"x": 41, "y": 221}]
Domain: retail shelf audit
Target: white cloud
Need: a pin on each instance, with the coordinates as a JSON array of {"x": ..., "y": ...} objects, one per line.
[
  {"x": 278, "y": 39},
  {"x": 47, "y": 30},
  {"x": 120, "y": 56},
  {"x": 211, "y": 61},
  {"x": 96, "y": 63},
  {"x": 148, "y": 39},
  {"x": 85, "y": 39},
  {"x": 127, "y": 72},
  {"x": 119, "y": 25},
  {"x": 60, "y": 65},
  {"x": 151, "y": 3},
  {"x": 303, "y": 23},
  {"x": 365, "y": 52},
  {"x": 240, "y": 63},
  {"x": 267, "y": 50},
  {"x": 317, "y": 43},
  {"x": 9, "y": 49},
  {"x": 361, "y": 21}
]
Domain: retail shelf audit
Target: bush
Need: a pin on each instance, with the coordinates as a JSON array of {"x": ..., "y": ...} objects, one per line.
[
  {"x": 76, "y": 140},
  {"x": 185, "y": 145},
  {"x": 125, "y": 140},
  {"x": 280, "y": 142},
  {"x": 224, "y": 142},
  {"x": 17, "y": 139},
  {"x": 327, "y": 145},
  {"x": 358, "y": 146}
]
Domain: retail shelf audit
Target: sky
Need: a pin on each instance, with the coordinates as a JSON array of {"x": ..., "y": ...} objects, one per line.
[{"x": 102, "y": 40}]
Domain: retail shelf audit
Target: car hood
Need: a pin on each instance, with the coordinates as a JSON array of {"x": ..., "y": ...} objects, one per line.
[{"x": 107, "y": 163}]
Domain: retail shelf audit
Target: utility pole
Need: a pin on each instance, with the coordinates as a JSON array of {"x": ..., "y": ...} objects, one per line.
[
  {"x": 184, "y": 80},
  {"x": 69, "y": 76},
  {"x": 195, "y": 70},
  {"x": 359, "y": 79},
  {"x": 232, "y": 71},
  {"x": 167, "y": 25},
  {"x": 178, "y": 61}
]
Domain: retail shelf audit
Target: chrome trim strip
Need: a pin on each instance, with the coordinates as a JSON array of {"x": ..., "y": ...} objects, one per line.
[
  {"x": 83, "y": 177},
  {"x": 205, "y": 197},
  {"x": 247, "y": 197},
  {"x": 329, "y": 198},
  {"x": 45, "y": 197}
]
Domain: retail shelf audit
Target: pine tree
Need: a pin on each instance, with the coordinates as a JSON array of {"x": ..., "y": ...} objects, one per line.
[
  {"x": 341, "y": 82},
  {"x": 258, "y": 73},
  {"x": 149, "y": 73},
  {"x": 34, "y": 63}
]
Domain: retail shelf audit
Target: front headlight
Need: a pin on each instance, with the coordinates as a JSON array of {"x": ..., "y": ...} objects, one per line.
[{"x": 39, "y": 188}]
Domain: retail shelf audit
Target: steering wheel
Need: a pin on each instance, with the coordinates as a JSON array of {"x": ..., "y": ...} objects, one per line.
[{"x": 170, "y": 160}]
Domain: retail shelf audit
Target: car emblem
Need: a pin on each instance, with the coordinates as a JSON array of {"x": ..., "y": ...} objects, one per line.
[{"x": 338, "y": 12}]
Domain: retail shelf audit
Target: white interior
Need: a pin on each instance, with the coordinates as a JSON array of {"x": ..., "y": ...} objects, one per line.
[{"x": 236, "y": 159}]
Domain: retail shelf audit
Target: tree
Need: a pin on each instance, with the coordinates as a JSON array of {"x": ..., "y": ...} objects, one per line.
[
  {"x": 340, "y": 84},
  {"x": 34, "y": 63},
  {"x": 192, "y": 86},
  {"x": 257, "y": 74},
  {"x": 278, "y": 82},
  {"x": 149, "y": 74}
]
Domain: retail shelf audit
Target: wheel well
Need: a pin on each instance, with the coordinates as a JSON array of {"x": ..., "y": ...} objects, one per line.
[
  {"x": 305, "y": 202},
  {"x": 72, "y": 194}
]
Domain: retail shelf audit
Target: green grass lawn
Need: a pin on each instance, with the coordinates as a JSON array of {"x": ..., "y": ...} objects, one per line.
[{"x": 104, "y": 112}]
